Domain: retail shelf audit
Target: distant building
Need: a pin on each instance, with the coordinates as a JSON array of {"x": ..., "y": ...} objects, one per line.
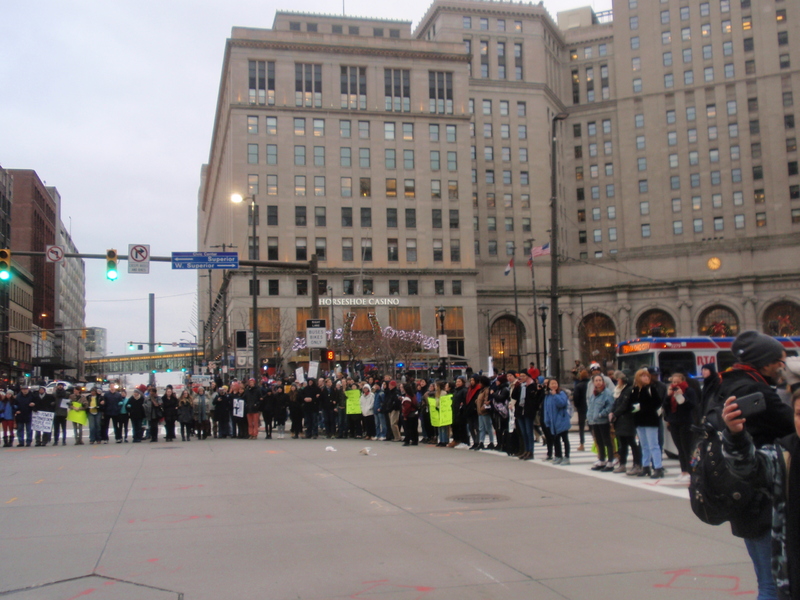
[
  {"x": 95, "y": 343},
  {"x": 70, "y": 306}
]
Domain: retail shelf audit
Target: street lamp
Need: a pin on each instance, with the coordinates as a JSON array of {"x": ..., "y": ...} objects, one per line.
[
  {"x": 440, "y": 313},
  {"x": 503, "y": 352},
  {"x": 543, "y": 315},
  {"x": 555, "y": 342},
  {"x": 238, "y": 199},
  {"x": 194, "y": 350}
]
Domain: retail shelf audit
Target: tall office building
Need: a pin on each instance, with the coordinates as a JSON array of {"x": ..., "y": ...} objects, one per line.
[{"x": 671, "y": 220}]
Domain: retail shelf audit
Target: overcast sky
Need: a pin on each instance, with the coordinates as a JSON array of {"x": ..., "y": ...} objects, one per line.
[{"x": 113, "y": 104}]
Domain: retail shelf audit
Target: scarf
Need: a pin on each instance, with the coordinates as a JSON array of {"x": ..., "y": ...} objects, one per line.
[
  {"x": 472, "y": 391},
  {"x": 673, "y": 404},
  {"x": 751, "y": 371}
]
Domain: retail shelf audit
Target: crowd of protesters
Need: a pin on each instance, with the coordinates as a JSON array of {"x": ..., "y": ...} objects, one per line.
[{"x": 510, "y": 412}]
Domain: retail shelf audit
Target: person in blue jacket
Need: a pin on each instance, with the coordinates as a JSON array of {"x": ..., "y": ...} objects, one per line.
[
  {"x": 7, "y": 417},
  {"x": 556, "y": 418},
  {"x": 601, "y": 403}
]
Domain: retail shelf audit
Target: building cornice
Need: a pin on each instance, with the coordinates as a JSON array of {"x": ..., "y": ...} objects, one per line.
[{"x": 329, "y": 48}]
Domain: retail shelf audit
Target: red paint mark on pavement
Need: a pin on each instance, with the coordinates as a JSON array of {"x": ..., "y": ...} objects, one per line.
[
  {"x": 382, "y": 586},
  {"x": 173, "y": 487},
  {"x": 171, "y": 518},
  {"x": 274, "y": 451},
  {"x": 110, "y": 583},
  {"x": 83, "y": 593},
  {"x": 680, "y": 580},
  {"x": 152, "y": 560}
]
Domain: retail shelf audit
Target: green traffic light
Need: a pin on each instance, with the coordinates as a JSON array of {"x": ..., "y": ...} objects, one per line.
[
  {"x": 5, "y": 275},
  {"x": 112, "y": 274},
  {"x": 131, "y": 346},
  {"x": 169, "y": 370}
]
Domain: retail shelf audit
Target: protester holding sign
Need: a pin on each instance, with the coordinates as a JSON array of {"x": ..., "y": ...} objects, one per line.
[
  {"x": 367, "y": 401},
  {"x": 95, "y": 413},
  {"x": 44, "y": 403},
  {"x": 77, "y": 415},
  {"x": 353, "y": 400}
]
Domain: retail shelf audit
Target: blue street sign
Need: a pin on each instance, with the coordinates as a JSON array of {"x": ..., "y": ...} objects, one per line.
[{"x": 205, "y": 260}]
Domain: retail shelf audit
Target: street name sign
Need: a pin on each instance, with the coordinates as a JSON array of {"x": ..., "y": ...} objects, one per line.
[{"x": 205, "y": 260}]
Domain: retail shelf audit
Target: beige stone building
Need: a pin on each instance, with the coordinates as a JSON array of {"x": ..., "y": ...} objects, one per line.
[{"x": 417, "y": 164}]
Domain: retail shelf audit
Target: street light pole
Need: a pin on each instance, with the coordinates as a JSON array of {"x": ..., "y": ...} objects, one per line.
[
  {"x": 543, "y": 314},
  {"x": 236, "y": 198},
  {"x": 440, "y": 312},
  {"x": 555, "y": 342},
  {"x": 535, "y": 329}
]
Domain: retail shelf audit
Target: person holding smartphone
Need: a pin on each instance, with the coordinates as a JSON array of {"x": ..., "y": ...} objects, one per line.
[{"x": 759, "y": 360}]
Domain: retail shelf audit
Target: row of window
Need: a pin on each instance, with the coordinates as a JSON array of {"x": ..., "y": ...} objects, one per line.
[
  {"x": 321, "y": 217},
  {"x": 346, "y": 157},
  {"x": 759, "y": 197},
  {"x": 510, "y": 248},
  {"x": 503, "y": 108},
  {"x": 352, "y": 86},
  {"x": 409, "y": 186},
  {"x": 505, "y": 131},
  {"x": 350, "y": 287},
  {"x": 340, "y": 29},
  {"x": 501, "y": 68},
  {"x": 366, "y": 255},
  {"x": 505, "y": 154},
  {"x": 491, "y": 224},
  {"x": 390, "y": 130},
  {"x": 483, "y": 24}
]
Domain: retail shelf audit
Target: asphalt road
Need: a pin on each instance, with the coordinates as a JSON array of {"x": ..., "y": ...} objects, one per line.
[{"x": 286, "y": 519}]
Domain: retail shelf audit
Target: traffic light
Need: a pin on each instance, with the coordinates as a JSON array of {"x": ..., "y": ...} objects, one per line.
[
  {"x": 131, "y": 346},
  {"x": 83, "y": 333},
  {"x": 112, "y": 260},
  {"x": 44, "y": 334},
  {"x": 330, "y": 355},
  {"x": 5, "y": 265}
]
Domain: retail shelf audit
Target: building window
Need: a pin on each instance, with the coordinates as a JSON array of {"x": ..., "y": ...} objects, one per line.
[
  {"x": 261, "y": 82},
  {"x": 353, "y": 88},
  {"x": 397, "y": 89},
  {"x": 308, "y": 85},
  {"x": 440, "y": 85}
]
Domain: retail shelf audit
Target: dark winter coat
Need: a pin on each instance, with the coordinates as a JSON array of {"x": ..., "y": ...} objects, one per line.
[{"x": 624, "y": 418}]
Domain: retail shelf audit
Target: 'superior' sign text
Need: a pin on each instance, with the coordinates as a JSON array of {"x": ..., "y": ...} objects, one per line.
[{"x": 205, "y": 260}]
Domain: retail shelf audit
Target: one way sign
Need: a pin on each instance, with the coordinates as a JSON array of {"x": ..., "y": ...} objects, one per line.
[{"x": 139, "y": 258}]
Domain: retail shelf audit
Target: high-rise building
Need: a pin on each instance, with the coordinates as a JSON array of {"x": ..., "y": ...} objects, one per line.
[
  {"x": 671, "y": 222},
  {"x": 70, "y": 306}
]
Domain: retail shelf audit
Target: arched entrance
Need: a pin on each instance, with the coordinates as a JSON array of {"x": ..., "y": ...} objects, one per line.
[
  {"x": 782, "y": 319},
  {"x": 718, "y": 321},
  {"x": 655, "y": 323},
  {"x": 598, "y": 338},
  {"x": 504, "y": 343}
]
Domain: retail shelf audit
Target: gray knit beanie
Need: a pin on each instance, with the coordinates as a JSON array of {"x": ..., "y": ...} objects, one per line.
[{"x": 756, "y": 349}]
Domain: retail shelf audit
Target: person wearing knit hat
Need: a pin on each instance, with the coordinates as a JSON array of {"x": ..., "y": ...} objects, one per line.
[{"x": 759, "y": 358}]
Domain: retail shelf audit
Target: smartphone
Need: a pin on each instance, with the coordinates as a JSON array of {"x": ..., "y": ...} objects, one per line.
[{"x": 751, "y": 404}]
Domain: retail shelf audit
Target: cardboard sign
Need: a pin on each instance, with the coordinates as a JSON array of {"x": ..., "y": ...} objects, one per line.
[
  {"x": 42, "y": 421},
  {"x": 353, "y": 402}
]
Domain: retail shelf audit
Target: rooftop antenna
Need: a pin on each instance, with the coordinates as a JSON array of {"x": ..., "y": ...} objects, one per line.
[{"x": 343, "y": 12}]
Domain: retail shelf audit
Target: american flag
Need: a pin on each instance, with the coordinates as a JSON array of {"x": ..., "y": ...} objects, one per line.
[{"x": 540, "y": 250}]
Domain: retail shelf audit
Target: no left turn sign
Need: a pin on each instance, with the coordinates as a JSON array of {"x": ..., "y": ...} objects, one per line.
[{"x": 54, "y": 254}]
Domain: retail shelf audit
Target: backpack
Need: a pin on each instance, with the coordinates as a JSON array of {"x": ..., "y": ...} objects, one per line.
[{"x": 715, "y": 492}]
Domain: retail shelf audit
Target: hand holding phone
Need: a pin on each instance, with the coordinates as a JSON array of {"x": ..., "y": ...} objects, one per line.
[{"x": 751, "y": 404}]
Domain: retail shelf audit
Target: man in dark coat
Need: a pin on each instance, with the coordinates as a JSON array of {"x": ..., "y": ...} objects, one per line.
[
  {"x": 759, "y": 359},
  {"x": 311, "y": 398},
  {"x": 44, "y": 403},
  {"x": 23, "y": 412}
]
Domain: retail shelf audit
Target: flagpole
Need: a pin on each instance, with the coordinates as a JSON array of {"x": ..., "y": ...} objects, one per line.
[
  {"x": 516, "y": 313},
  {"x": 535, "y": 328}
]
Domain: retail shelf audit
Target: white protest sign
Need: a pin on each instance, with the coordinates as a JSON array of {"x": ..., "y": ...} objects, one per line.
[{"x": 42, "y": 421}]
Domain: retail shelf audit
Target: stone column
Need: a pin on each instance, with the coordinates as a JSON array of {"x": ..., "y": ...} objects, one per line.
[{"x": 685, "y": 327}]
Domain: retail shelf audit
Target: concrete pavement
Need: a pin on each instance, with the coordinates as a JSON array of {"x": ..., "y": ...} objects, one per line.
[{"x": 284, "y": 519}]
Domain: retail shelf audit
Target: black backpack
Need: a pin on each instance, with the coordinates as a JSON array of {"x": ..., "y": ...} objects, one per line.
[{"x": 716, "y": 493}]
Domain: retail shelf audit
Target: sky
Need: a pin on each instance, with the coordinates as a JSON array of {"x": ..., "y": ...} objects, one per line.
[{"x": 113, "y": 104}]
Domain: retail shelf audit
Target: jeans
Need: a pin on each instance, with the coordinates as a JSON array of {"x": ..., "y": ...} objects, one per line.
[
  {"x": 21, "y": 429},
  {"x": 60, "y": 426},
  {"x": 648, "y": 438},
  {"x": 557, "y": 439},
  {"x": 380, "y": 425},
  {"x": 760, "y": 551},
  {"x": 95, "y": 422},
  {"x": 310, "y": 419},
  {"x": 525, "y": 425},
  {"x": 444, "y": 435},
  {"x": 341, "y": 418},
  {"x": 484, "y": 427},
  {"x": 602, "y": 437}
]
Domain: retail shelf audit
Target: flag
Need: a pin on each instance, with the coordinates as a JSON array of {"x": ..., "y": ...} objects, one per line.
[
  {"x": 509, "y": 267},
  {"x": 540, "y": 251}
]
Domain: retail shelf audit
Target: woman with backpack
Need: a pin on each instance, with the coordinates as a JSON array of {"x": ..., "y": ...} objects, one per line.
[{"x": 624, "y": 422}]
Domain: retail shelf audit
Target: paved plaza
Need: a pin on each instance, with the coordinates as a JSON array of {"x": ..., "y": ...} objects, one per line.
[{"x": 286, "y": 519}]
